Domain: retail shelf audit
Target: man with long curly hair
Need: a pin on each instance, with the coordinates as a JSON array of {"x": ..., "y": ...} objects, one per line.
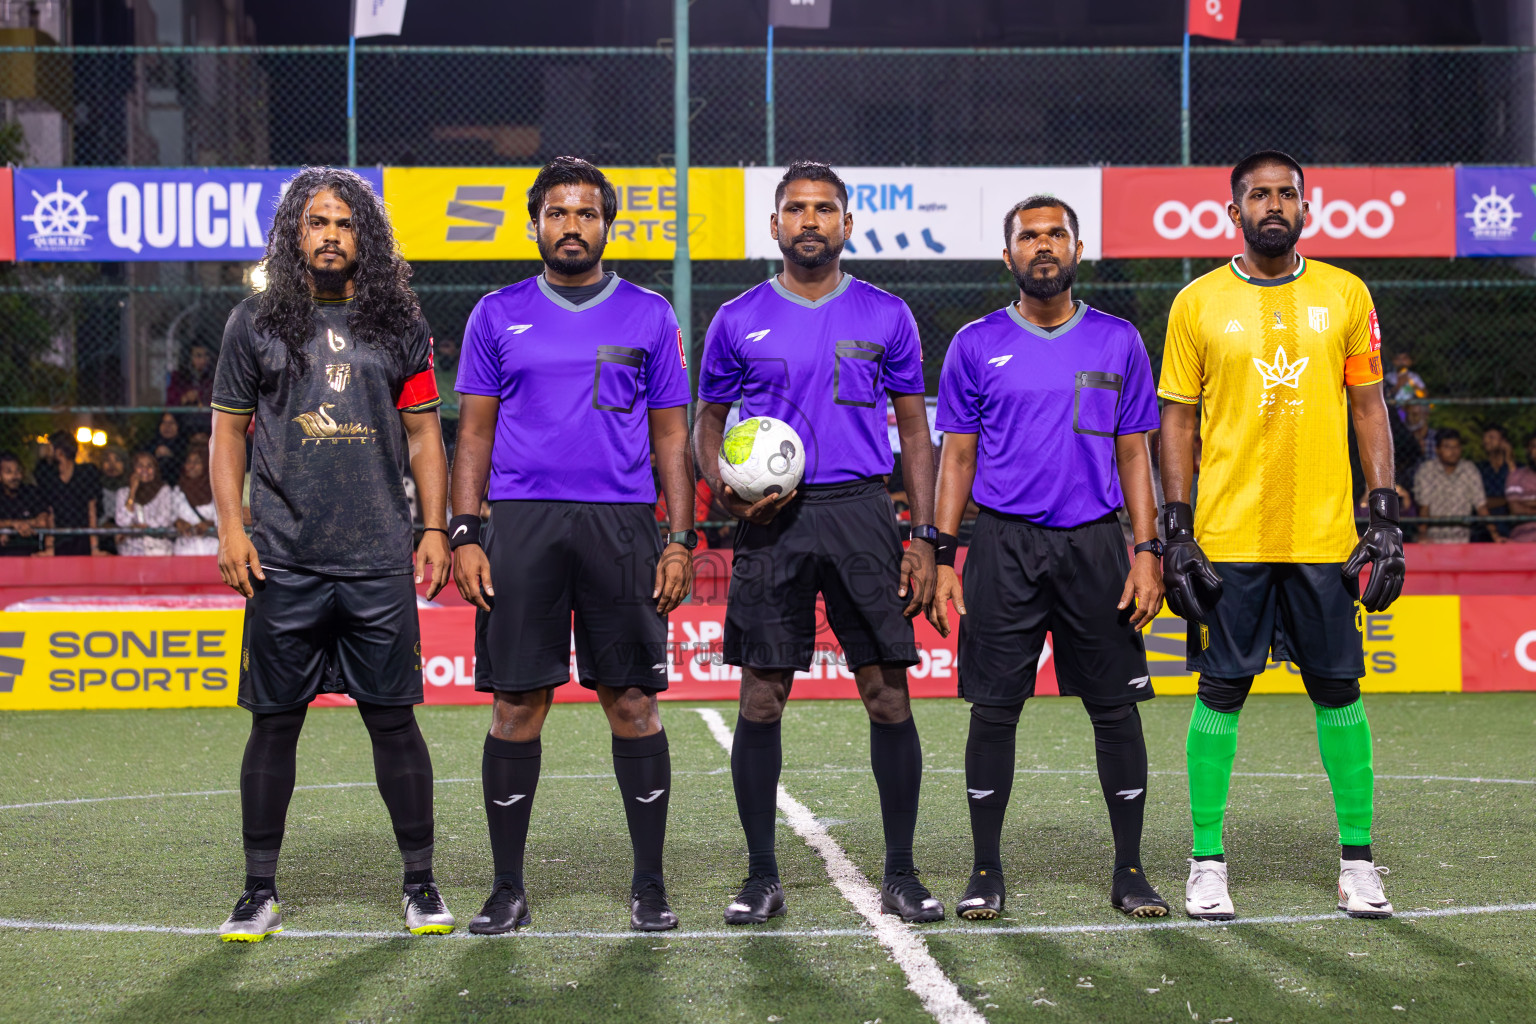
[{"x": 334, "y": 363}]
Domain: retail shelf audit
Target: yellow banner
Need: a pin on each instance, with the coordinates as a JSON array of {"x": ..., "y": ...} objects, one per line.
[
  {"x": 1413, "y": 646},
  {"x": 481, "y": 213},
  {"x": 68, "y": 660}
]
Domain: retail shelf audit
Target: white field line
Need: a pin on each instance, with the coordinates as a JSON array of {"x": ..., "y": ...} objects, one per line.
[
  {"x": 951, "y": 931},
  {"x": 925, "y": 978},
  {"x": 1479, "y": 779}
]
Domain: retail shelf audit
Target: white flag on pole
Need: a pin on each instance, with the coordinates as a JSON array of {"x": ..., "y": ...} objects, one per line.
[{"x": 377, "y": 17}]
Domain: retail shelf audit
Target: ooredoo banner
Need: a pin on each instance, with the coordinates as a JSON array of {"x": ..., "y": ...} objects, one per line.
[
  {"x": 931, "y": 213},
  {"x": 118, "y": 215},
  {"x": 7, "y": 222},
  {"x": 1354, "y": 211},
  {"x": 1499, "y": 643}
]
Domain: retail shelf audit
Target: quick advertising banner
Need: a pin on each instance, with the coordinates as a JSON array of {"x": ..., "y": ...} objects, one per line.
[
  {"x": 932, "y": 213},
  {"x": 116, "y": 214},
  {"x": 1496, "y": 211},
  {"x": 481, "y": 213},
  {"x": 1355, "y": 211}
]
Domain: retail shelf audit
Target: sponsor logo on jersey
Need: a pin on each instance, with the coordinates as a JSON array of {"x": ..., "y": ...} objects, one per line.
[
  {"x": 319, "y": 428},
  {"x": 1282, "y": 370},
  {"x": 1233, "y": 327},
  {"x": 759, "y": 335},
  {"x": 1375, "y": 332},
  {"x": 682, "y": 354},
  {"x": 519, "y": 328},
  {"x": 1317, "y": 318},
  {"x": 1000, "y": 360},
  {"x": 336, "y": 341}
]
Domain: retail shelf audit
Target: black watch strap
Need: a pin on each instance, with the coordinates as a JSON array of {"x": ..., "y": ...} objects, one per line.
[
  {"x": 927, "y": 533},
  {"x": 687, "y": 538},
  {"x": 1154, "y": 545}
]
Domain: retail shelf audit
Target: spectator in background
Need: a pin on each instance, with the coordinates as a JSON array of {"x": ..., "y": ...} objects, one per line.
[
  {"x": 1448, "y": 486},
  {"x": 72, "y": 493},
  {"x": 1402, "y": 383},
  {"x": 197, "y": 520},
  {"x": 45, "y": 467},
  {"x": 193, "y": 385},
  {"x": 21, "y": 508},
  {"x": 147, "y": 502},
  {"x": 114, "y": 477},
  {"x": 1495, "y": 470},
  {"x": 169, "y": 447},
  {"x": 1520, "y": 490}
]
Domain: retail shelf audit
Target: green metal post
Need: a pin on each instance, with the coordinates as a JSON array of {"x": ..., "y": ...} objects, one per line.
[{"x": 682, "y": 266}]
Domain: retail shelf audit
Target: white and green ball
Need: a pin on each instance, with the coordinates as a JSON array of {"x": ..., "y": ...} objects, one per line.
[{"x": 762, "y": 457}]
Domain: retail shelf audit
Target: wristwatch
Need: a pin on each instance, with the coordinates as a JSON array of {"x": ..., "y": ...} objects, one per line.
[
  {"x": 687, "y": 538},
  {"x": 1154, "y": 545},
  {"x": 927, "y": 533}
]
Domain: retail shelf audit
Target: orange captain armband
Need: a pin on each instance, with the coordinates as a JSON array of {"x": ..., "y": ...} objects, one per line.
[
  {"x": 1364, "y": 368},
  {"x": 420, "y": 392}
]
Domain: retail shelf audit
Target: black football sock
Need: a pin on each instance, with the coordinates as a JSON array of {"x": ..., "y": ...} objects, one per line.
[
  {"x": 643, "y": 768},
  {"x": 509, "y": 774},
  {"x": 1355, "y": 852},
  {"x": 896, "y": 755},
  {"x": 757, "y": 756},
  {"x": 402, "y": 768},
  {"x": 266, "y": 785},
  {"x": 989, "y": 752},
  {"x": 1122, "y": 757}
]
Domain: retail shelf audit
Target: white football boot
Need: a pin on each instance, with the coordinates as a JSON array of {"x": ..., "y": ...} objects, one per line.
[
  {"x": 256, "y": 915},
  {"x": 1205, "y": 893},
  {"x": 425, "y": 912},
  {"x": 1360, "y": 890}
]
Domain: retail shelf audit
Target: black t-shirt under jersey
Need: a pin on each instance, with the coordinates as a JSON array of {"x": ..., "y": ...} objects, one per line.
[{"x": 329, "y": 455}]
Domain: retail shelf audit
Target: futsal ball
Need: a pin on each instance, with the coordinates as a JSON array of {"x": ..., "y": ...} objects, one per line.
[{"x": 762, "y": 457}]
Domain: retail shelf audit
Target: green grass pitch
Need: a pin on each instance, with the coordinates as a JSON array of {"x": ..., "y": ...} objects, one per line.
[{"x": 1452, "y": 845}]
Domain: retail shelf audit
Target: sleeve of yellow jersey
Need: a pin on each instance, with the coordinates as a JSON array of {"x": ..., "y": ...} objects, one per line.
[
  {"x": 1362, "y": 354},
  {"x": 1183, "y": 377}
]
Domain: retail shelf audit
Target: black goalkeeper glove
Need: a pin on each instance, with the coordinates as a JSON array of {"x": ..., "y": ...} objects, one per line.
[
  {"x": 1382, "y": 546},
  {"x": 1192, "y": 586}
]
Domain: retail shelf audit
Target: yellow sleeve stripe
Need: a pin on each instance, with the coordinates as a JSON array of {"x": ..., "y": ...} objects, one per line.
[
  {"x": 232, "y": 409},
  {"x": 424, "y": 406},
  {"x": 1175, "y": 396}
]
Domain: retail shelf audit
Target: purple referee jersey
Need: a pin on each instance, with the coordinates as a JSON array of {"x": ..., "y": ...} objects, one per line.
[
  {"x": 575, "y": 384},
  {"x": 823, "y": 367},
  {"x": 1048, "y": 406}
]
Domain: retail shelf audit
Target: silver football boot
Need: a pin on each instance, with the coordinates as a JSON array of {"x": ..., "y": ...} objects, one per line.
[{"x": 257, "y": 914}]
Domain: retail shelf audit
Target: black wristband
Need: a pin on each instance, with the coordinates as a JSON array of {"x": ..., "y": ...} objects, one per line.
[
  {"x": 1385, "y": 505},
  {"x": 1178, "y": 520},
  {"x": 434, "y": 529},
  {"x": 463, "y": 530},
  {"x": 944, "y": 549}
]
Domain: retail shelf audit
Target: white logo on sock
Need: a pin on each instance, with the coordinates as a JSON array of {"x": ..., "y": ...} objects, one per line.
[
  {"x": 650, "y": 799},
  {"x": 509, "y": 801},
  {"x": 1129, "y": 794},
  {"x": 978, "y": 794}
]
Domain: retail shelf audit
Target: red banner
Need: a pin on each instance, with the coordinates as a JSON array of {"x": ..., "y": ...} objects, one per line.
[
  {"x": 1214, "y": 19},
  {"x": 7, "y": 218},
  {"x": 1498, "y": 643},
  {"x": 1355, "y": 211}
]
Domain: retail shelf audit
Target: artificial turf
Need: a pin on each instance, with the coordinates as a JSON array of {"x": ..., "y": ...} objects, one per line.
[{"x": 175, "y": 861}]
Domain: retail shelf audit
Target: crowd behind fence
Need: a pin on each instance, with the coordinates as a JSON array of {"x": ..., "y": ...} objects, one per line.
[{"x": 107, "y": 337}]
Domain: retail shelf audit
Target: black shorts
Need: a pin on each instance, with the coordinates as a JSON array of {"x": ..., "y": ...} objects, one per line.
[
  {"x": 550, "y": 559},
  {"x": 1022, "y": 580},
  {"x": 1307, "y": 614},
  {"x": 839, "y": 540},
  {"x": 307, "y": 633}
]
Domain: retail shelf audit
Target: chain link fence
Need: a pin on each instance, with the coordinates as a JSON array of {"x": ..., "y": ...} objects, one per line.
[{"x": 106, "y": 336}]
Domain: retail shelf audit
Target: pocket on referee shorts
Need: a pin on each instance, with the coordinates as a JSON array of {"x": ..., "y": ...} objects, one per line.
[
  {"x": 616, "y": 380},
  {"x": 1096, "y": 402}
]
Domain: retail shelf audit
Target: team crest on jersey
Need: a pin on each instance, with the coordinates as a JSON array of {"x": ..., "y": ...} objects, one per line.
[
  {"x": 1317, "y": 318},
  {"x": 338, "y": 375}
]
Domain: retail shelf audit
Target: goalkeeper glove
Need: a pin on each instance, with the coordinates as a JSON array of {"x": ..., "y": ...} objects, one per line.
[
  {"x": 1382, "y": 546},
  {"x": 1192, "y": 586}
]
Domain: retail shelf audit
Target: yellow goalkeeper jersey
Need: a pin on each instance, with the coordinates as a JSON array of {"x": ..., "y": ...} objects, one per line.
[{"x": 1270, "y": 361}]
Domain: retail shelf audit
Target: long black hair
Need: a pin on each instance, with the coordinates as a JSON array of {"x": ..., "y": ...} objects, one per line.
[{"x": 385, "y": 308}]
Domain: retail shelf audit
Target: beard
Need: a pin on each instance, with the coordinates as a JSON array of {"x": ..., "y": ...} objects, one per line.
[
  {"x": 1270, "y": 239},
  {"x": 1046, "y": 287},
  {"x": 820, "y": 258},
  {"x": 571, "y": 266},
  {"x": 331, "y": 281}
]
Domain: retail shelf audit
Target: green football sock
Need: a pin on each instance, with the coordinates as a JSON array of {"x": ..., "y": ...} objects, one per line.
[
  {"x": 1211, "y": 748},
  {"x": 1344, "y": 740}
]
